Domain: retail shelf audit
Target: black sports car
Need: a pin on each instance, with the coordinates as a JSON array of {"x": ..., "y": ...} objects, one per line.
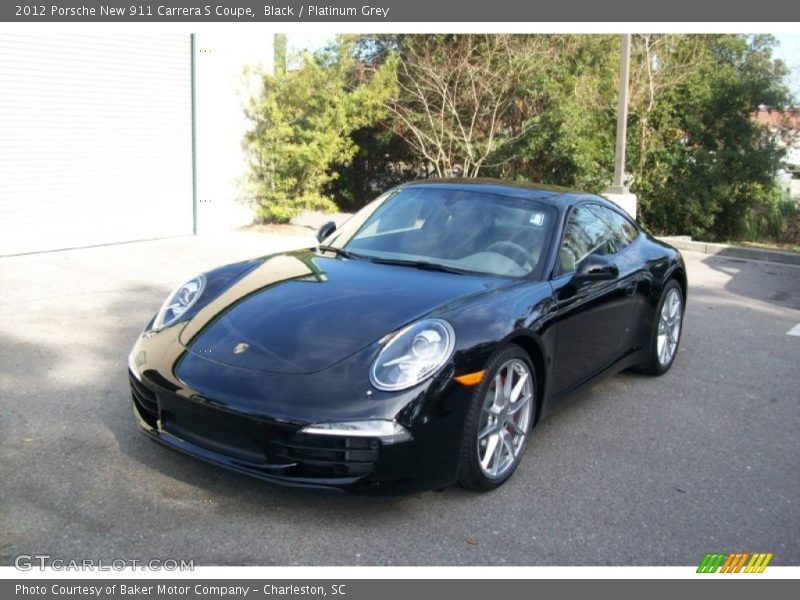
[{"x": 415, "y": 347}]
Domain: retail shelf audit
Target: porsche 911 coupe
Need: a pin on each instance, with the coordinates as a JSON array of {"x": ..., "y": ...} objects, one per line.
[{"x": 415, "y": 347}]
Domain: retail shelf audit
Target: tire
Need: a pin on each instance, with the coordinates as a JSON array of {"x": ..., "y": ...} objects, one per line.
[
  {"x": 665, "y": 338},
  {"x": 498, "y": 427}
]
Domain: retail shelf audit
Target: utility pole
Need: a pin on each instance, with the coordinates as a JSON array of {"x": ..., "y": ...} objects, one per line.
[
  {"x": 279, "y": 53},
  {"x": 618, "y": 193},
  {"x": 622, "y": 116}
]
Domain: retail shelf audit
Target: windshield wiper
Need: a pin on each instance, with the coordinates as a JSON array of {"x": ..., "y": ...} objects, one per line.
[
  {"x": 338, "y": 251},
  {"x": 418, "y": 264}
]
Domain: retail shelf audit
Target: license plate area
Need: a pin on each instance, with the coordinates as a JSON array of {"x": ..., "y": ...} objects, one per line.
[{"x": 220, "y": 431}]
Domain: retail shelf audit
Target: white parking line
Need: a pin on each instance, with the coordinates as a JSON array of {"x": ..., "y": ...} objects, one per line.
[{"x": 794, "y": 330}]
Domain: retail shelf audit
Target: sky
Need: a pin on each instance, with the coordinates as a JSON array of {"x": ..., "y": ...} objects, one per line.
[{"x": 788, "y": 51}]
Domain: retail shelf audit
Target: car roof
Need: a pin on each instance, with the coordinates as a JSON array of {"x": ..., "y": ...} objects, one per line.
[{"x": 559, "y": 197}]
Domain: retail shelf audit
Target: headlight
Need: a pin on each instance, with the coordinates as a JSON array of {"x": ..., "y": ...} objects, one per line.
[
  {"x": 178, "y": 302},
  {"x": 412, "y": 355}
]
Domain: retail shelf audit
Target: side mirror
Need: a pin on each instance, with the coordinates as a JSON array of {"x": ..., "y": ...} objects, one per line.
[
  {"x": 325, "y": 230},
  {"x": 595, "y": 268}
]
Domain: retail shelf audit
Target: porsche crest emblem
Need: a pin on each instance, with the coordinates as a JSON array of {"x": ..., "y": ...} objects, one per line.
[{"x": 241, "y": 347}]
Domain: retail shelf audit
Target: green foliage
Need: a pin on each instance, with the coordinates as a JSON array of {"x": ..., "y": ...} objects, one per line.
[
  {"x": 374, "y": 111},
  {"x": 302, "y": 126},
  {"x": 279, "y": 53},
  {"x": 569, "y": 134},
  {"x": 382, "y": 160},
  {"x": 777, "y": 219},
  {"x": 555, "y": 97},
  {"x": 703, "y": 166}
]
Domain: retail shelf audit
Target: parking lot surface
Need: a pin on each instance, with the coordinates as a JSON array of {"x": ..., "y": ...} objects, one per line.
[{"x": 638, "y": 471}]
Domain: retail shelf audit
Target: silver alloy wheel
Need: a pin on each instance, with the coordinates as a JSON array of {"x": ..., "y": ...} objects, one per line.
[
  {"x": 669, "y": 327},
  {"x": 505, "y": 418}
]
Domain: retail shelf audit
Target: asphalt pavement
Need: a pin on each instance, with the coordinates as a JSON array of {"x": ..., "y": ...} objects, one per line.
[{"x": 638, "y": 471}]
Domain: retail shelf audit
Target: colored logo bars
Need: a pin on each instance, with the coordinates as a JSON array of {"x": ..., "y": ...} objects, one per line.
[{"x": 735, "y": 562}]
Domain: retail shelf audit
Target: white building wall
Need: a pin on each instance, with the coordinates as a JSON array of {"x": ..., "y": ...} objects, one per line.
[
  {"x": 221, "y": 92},
  {"x": 95, "y": 139}
]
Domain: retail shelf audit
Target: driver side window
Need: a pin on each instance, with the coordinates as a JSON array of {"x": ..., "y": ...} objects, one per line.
[{"x": 584, "y": 234}]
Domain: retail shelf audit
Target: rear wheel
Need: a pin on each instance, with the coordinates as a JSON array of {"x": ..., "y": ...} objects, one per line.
[
  {"x": 666, "y": 335},
  {"x": 499, "y": 421}
]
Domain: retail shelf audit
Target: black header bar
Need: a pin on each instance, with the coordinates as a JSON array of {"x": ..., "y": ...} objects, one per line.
[{"x": 400, "y": 11}]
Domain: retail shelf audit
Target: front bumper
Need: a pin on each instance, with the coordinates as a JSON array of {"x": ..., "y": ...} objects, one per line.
[{"x": 273, "y": 449}]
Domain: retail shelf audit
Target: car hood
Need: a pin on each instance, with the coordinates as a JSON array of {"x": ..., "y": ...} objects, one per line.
[{"x": 301, "y": 312}]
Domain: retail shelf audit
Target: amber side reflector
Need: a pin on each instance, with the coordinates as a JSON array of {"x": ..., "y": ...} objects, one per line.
[{"x": 470, "y": 378}]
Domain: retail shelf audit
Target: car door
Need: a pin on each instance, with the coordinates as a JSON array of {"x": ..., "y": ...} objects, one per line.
[
  {"x": 594, "y": 317},
  {"x": 627, "y": 257}
]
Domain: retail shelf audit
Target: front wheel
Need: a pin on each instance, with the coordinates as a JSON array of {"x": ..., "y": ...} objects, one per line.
[
  {"x": 499, "y": 421},
  {"x": 666, "y": 335}
]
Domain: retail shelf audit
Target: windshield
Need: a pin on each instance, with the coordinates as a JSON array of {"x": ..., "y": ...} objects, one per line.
[{"x": 461, "y": 230}]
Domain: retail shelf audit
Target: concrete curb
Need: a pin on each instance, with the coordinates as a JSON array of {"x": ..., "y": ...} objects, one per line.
[{"x": 763, "y": 254}]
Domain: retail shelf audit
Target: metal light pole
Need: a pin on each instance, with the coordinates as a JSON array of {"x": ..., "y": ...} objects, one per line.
[
  {"x": 618, "y": 192},
  {"x": 622, "y": 116}
]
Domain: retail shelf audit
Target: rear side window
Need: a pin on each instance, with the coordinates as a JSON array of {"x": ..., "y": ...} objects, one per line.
[
  {"x": 622, "y": 232},
  {"x": 593, "y": 229}
]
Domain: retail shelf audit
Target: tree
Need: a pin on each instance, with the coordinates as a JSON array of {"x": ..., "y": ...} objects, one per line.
[
  {"x": 302, "y": 126},
  {"x": 568, "y": 133},
  {"x": 382, "y": 160},
  {"x": 456, "y": 97},
  {"x": 702, "y": 165},
  {"x": 376, "y": 111}
]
